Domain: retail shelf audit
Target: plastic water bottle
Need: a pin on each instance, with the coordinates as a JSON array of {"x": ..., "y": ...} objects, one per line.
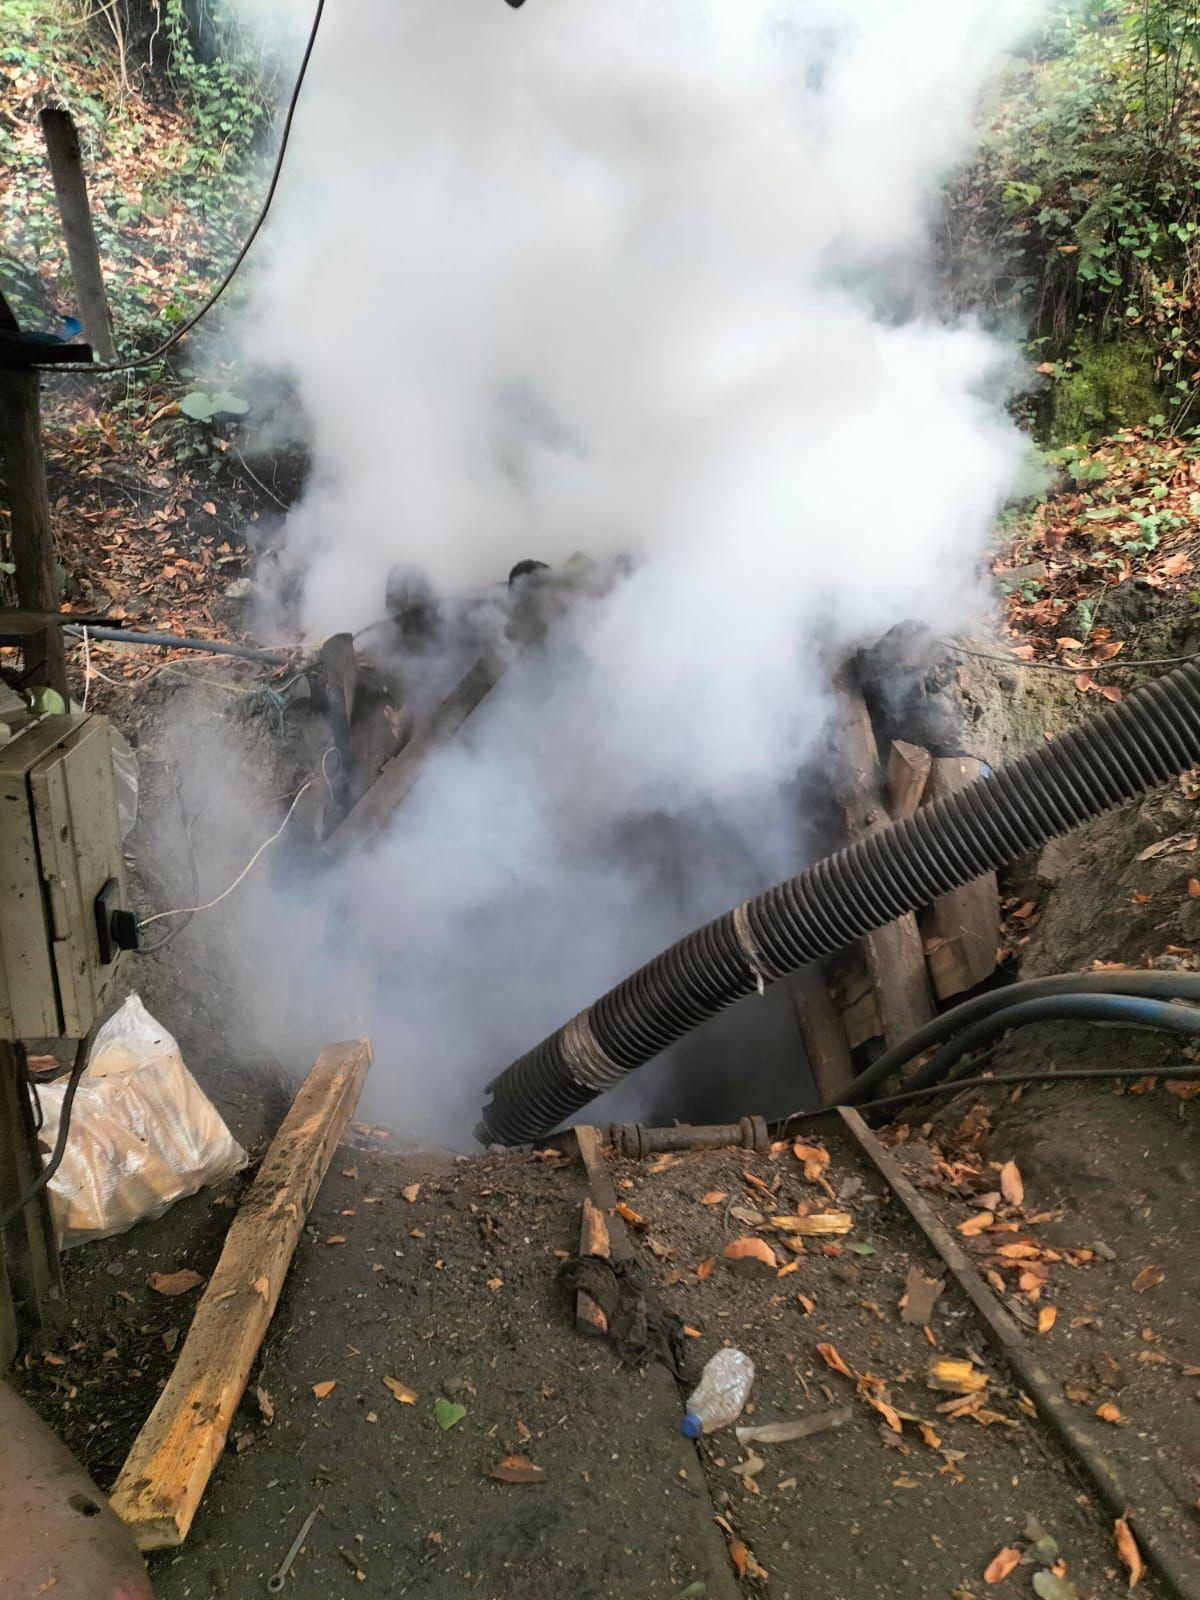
[{"x": 718, "y": 1398}]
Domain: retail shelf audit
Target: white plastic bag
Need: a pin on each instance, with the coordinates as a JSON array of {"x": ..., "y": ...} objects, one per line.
[{"x": 143, "y": 1133}]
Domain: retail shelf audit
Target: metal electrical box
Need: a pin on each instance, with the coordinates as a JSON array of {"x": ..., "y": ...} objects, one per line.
[{"x": 64, "y": 914}]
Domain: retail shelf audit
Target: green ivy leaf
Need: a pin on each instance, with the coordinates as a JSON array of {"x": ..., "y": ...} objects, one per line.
[
  {"x": 231, "y": 403},
  {"x": 448, "y": 1413},
  {"x": 198, "y": 406}
]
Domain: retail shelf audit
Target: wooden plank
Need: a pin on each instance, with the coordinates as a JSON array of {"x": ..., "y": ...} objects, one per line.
[
  {"x": 593, "y": 1241},
  {"x": 8, "y": 1316},
  {"x": 30, "y": 1243},
  {"x": 32, "y": 538},
  {"x": 74, "y": 208},
  {"x": 962, "y": 928},
  {"x": 16, "y": 624},
  {"x": 895, "y": 956},
  {"x": 166, "y": 1471},
  {"x": 822, "y": 1032},
  {"x": 370, "y": 815},
  {"x": 908, "y": 768}
]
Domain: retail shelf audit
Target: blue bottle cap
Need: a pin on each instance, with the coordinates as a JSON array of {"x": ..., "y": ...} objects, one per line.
[{"x": 691, "y": 1426}]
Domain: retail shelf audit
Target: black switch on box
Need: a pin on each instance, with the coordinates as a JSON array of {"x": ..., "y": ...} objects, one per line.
[{"x": 116, "y": 928}]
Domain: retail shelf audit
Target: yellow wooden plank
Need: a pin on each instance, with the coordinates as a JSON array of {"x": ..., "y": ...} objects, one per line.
[{"x": 166, "y": 1471}]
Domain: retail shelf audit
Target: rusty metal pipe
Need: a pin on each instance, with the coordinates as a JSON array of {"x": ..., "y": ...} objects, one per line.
[
  {"x": 635, "y": 1140},
  {"x": 58, "y": 1534}
]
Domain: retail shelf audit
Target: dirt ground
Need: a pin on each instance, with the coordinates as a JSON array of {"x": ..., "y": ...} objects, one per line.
[
  {"x": 452, "y": 1291},
  {"x": 442, "y": 1274},
  {"x": 1111, "y": 1178}
]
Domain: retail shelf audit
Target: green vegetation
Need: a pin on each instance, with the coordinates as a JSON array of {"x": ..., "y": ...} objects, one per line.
[
  {"x": 1087, "y": 197},
  {"x": 171, "y": 104}
]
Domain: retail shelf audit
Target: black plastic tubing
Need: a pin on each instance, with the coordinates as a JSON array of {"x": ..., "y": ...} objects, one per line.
[
  {"x": 1152, "y": 985},
  {"x": 1121, "y": 1010},
  {"x": 1138, "y": 744}
]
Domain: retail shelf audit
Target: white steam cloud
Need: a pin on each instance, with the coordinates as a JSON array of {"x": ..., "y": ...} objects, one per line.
[{"x": 624, "y": 276}]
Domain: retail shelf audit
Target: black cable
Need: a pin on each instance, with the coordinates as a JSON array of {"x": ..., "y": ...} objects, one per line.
[
  {"x": 187, "y": 325},
  {"x": 1069, "y": 1075},
  {"x": 64, "y": 1128},
  {"x": 1154, "y": 985},
  {"x": 1121, "y": 1010}
]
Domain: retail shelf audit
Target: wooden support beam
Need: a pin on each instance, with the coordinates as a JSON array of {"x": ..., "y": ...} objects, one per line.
[
  {"x": 822, "y": 1032},
  {"x": 32, "y": 537},
  {"x": 962, "y": 928},
  {"x": 895, "y": 957},
  {"x": 368, "y": 818},
  {"x": 29, "y": 1249},
  {"x": 166, "y": 1471},
  {"x": 70, "y": 189},
  {"x": 593, "y": 1241},
  {"x": 908, "y": 767}
]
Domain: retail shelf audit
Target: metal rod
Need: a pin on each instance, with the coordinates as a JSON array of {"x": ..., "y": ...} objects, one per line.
[{"x": 635, "y": 1140}]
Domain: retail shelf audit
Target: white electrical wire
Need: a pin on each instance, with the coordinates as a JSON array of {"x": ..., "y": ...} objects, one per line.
[
  {"x": 87, "y": 668},
  {"x": 183, "y": 911}
]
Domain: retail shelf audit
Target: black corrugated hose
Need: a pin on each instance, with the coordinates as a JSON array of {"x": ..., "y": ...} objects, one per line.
[{"x": 1146, "y": 739}]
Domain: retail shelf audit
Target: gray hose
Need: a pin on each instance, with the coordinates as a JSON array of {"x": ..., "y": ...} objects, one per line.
[{"x": 1146, "y": 739}]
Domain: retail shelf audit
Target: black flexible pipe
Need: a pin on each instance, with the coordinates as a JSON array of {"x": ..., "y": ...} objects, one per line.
[
  {"x": 993, "y": 1080},
  {"x": 1154, "y": 985},
  {"x": 1134, "y": 1011},
  {"x": 179, "y": 641},
  {"x": 1146, "y": 739}
]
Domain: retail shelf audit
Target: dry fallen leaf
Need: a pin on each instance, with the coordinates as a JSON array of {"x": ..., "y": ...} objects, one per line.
[
  {"x": 517, "y": 1469},
  {"x": 999, "y": 1567},
  {"x": 792, "y": 1266},
  {"x": 704, "y": 1270},
  {"x": 831, "y": 1359},
  {"x": 633, "y": 1218},
  {"x": 751, "y": 1249},
  {"x": 1046, "y": 1318},
  {"x": 737, "y": 1554},
  {"x": 1183, "y": 1088},
  {"x": 979, "y": 1223},
  {"x": 1147, "y": 1278},
  {"x": 336, "y": 1238},
  {"x": 401, "y": 1391},
  {"x": 1128, "y": 1551},
  {"x": 714, "y": 1197},
  {"x": 809, "y": 1305},
  {"x": 1108, "y": 1412},
  {"x": 889, "y": 1413},
  {"x": 322, "y": 1389},
  {"x": 266, "y": 1407},
  {"x": 930, "y": 1435},
  {"x": 173, "y": 1283},
  {"x": 1011, "y": 1186},
  {"x": 812, "y": 1158},
  {"x": 410, "y": 1192}
]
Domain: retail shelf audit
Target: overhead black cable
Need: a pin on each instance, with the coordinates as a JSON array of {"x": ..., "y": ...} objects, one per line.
[{"x": 187, "y": 325}]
